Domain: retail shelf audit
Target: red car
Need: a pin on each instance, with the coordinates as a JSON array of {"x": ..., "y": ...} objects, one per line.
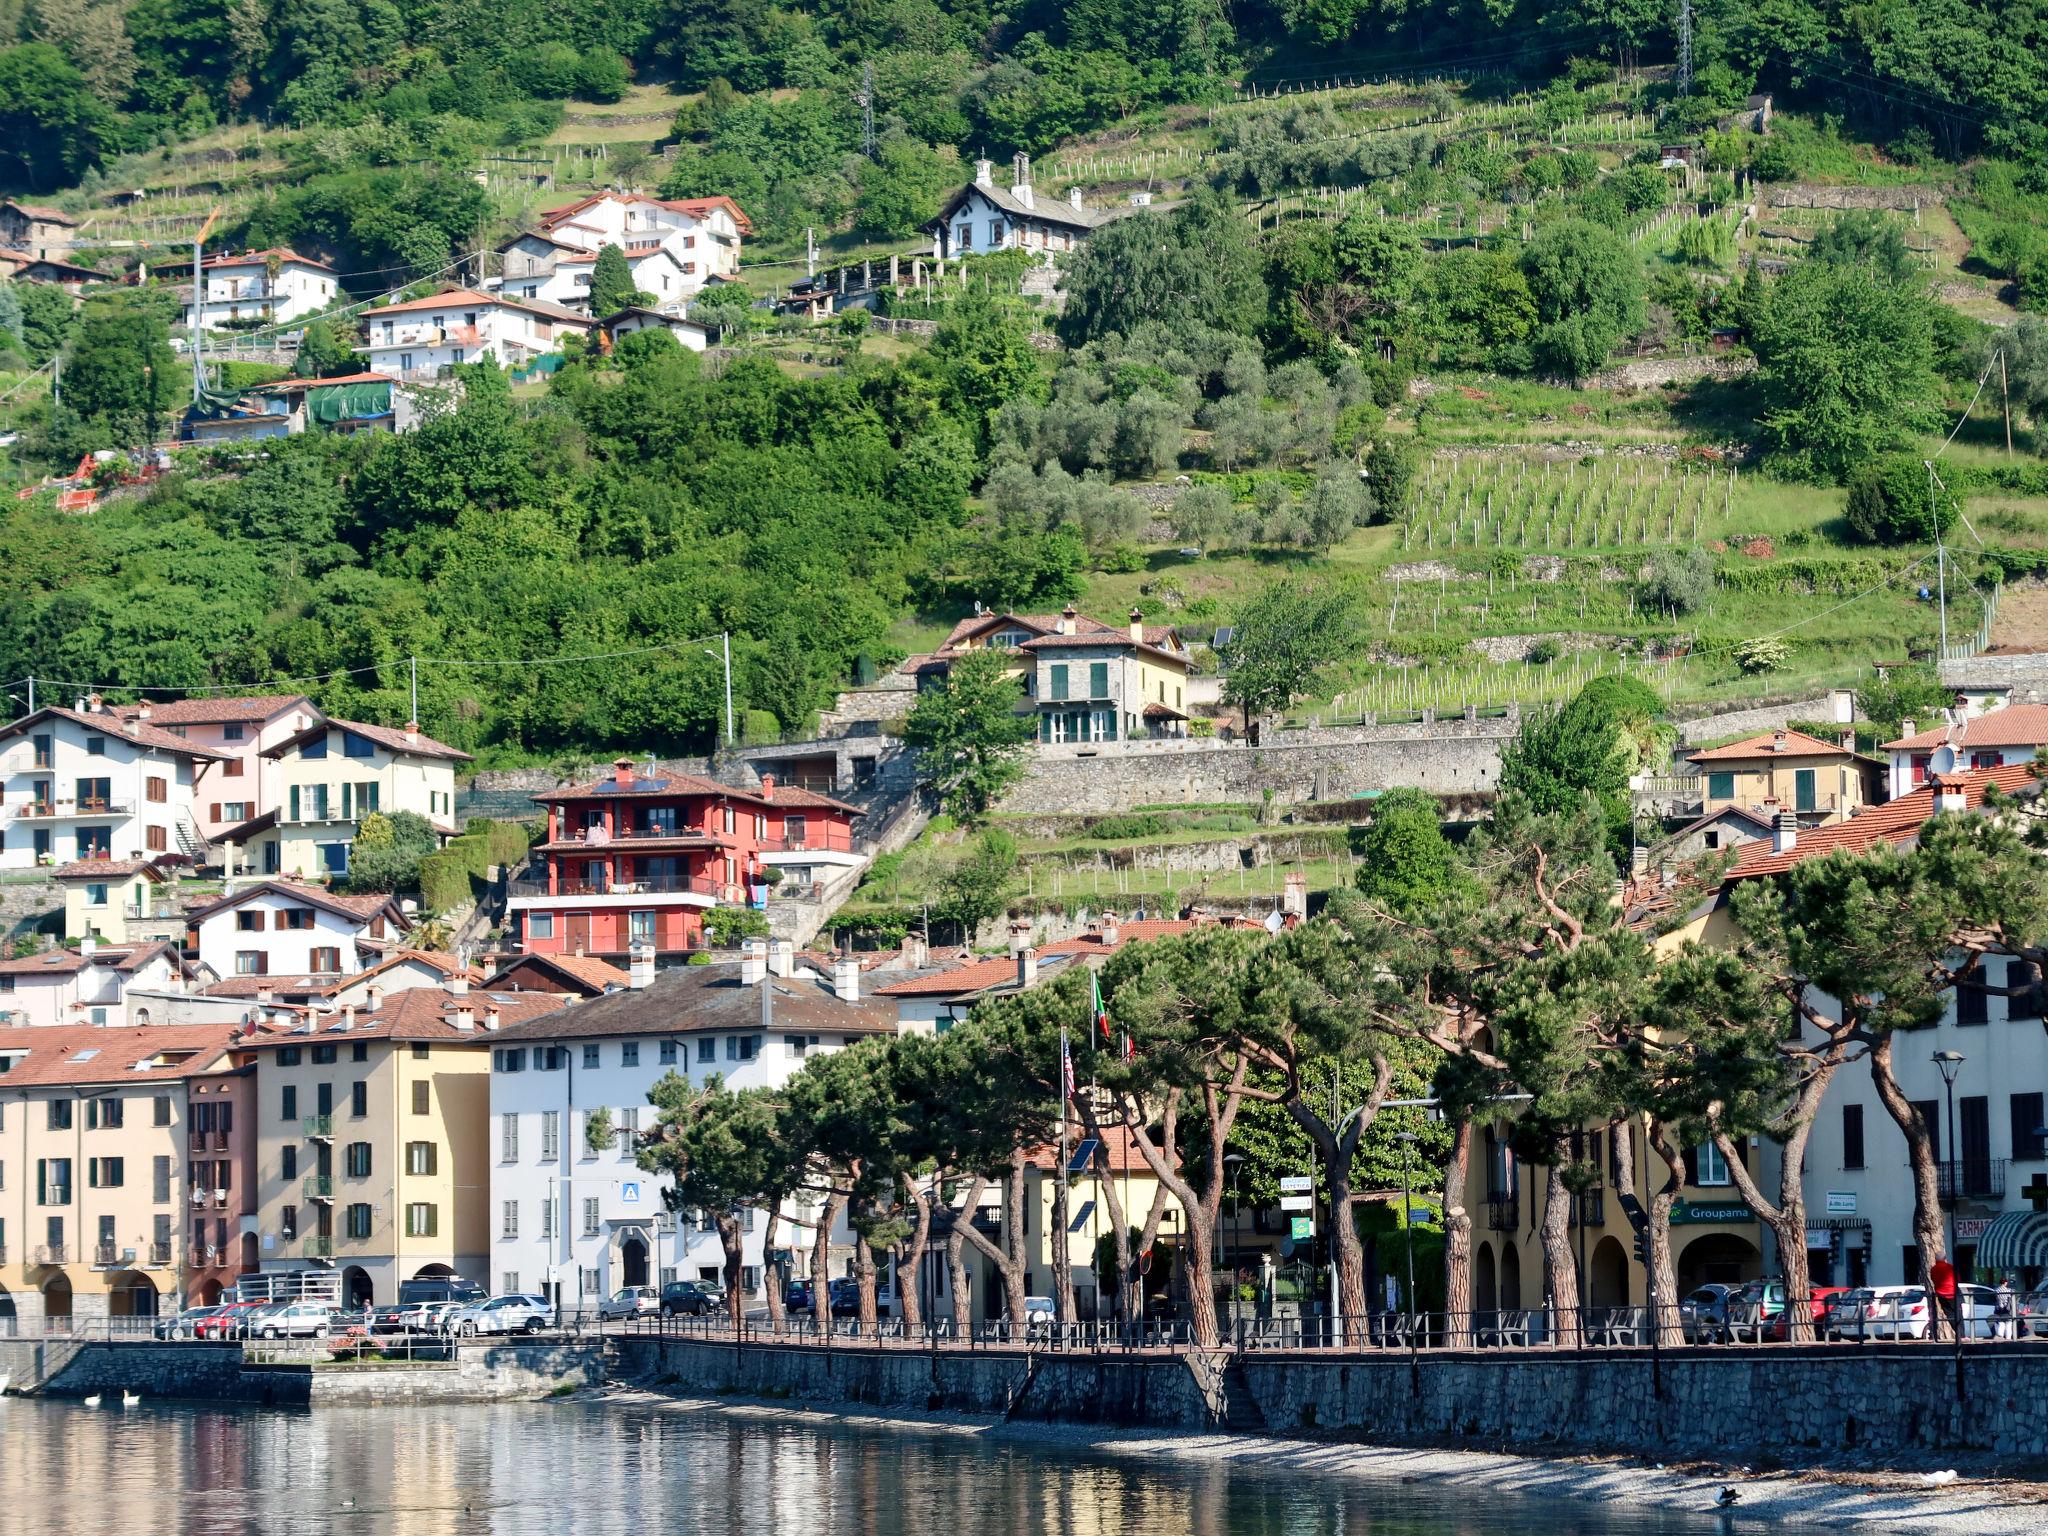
[
  {"x": 1779, "y": 1328},
  {"x": 229, "y": 1322}
]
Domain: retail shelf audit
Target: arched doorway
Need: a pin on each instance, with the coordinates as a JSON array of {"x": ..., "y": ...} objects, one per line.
[
  {"x": 1607, "y": 1278},
  {"x": 6, "y": 1305},
  {"x": 632, "y": 1259},
  {"x": 1510, "y": 1278},
  {"x": 209, "y": 1293},
  {"x": 355, "y": 1286},
  {"x": 132, "y": 1296},
  {"x": 1717, "y": 1256},
  {"x": 1485, "y": 1298},
  {"x": 57, "y": 1298}
]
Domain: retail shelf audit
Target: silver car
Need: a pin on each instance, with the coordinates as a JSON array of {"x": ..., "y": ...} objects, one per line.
[
  {"x": 502, "y": 1314},
  {"x": 632, "y": 1301},
  {"x": 299, "y": 1320}
]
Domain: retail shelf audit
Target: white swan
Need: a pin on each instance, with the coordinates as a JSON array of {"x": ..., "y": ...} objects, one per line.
[
  {"x": 93, "y": 1401},
  {"x": 129, "y": 1399}
]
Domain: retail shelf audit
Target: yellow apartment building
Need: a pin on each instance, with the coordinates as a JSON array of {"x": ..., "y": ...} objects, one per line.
[
  {"x": 372, "y": 1141},
  {"x": 1818, "y": 781}
]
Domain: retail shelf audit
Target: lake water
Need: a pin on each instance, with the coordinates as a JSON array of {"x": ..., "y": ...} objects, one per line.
[{"x": 619, "y": 1468}]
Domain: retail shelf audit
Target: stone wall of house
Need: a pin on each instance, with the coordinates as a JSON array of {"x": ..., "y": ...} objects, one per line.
[
  {"x": 1749, "y": 722},
  {"x": 1458, "y": 756},
  {"x": 1889, "y": 1401},
  {"x": 2025, "y": 674}
]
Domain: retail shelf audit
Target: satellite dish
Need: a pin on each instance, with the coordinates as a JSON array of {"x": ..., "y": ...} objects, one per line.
[{"x": 1943, "y": 760}]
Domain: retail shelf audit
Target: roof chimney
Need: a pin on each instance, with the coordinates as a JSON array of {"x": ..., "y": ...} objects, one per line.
[
  {"x": 914, "y": 952},
  {"x": 640, "y": 967},
  {"x": 491, "y": 1017},
  {"x": 373, "y": 997},
  {"x": 88, "y": 946},
  {"x": 1847, "y": 738},
  {"x": 458, "y": 984},
  {"x": 131, "y": 726},
  {"x": 1137, "y": 627},
  {"x": 94, "y": 705},
  {"x": 142, "y": 709},
  {"x": 984, "y": 173},
  {"x": 1951, "y": 792},
  {"x": 846, "y": 979},
  {"x": 622, "y": 770},
  {"x": 1020, "y": 935},
  {"x": 263, "y": 992},
  {"x": 1074, "y": 198},
  {"x": 348, "y": 1015},
  {"x": 1112, "y": 930},
  {"x": 1067, "y": 625},
  {"x": 1784, "y": 832},
  {"x": 1778, "y": 739},
  {"x": 1027, "y": 967},
  {"x": 1294, "y": 894},
  {"x": 782, "y": 957},
  {"x": 412, "y": 733},
  {"x": 465, "y": 1018},
  {"x": 1906, "y": 730},
  {"x": 753, "y": 962},
  {"x": 1020, "y": 179},
  {"x": 767, "y": 786}
]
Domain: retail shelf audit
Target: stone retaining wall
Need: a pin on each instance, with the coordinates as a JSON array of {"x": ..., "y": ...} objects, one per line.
[{"x": 1823, "y": 1401}]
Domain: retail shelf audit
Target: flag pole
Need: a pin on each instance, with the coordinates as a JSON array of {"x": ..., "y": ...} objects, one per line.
[{"x": 1063, "y": 1279}]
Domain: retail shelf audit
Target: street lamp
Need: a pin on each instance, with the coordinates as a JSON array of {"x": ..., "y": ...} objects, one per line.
[
  {"x": 1234, "y": 1161},
  {"x": 1947, "y": 1063},
  {"x": 1407, "y": 1140}
]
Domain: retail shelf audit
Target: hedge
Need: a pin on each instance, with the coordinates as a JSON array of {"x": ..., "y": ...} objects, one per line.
[{"x": 451, "y": 878}]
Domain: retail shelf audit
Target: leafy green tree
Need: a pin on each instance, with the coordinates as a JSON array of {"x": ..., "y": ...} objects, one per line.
[
  {"x": 1405, "y": 863},
  {"x": 1338, "y": 502},
  {"x": 1282, "y": 640},
  {"x": 727, "y": 306},
  {"x": 1845, "y": 366},
  {"x": 726, "y": 926},
  {"x": 969, "y": 735},
  {"x": 326, "y": 350},
  {"x": 902, "y": 187},
  {"x": 1195, "y": 266},
  {"x": 1587, "y": 286},
  {"x": 611, "y": 283},
  {"x": 983, "y": 358},
  {"x": 122, "y": 376},
  {"x": 1563, "y": 755},
  {"x": 52, "y": 127},
  {"x": 976, "y": 889},
  {"x": 1869, "y": 239},
  {"x": 1678, "y": 580},
  {"x": 48, "y": 318},
  {"x": 386, "y": 852}
]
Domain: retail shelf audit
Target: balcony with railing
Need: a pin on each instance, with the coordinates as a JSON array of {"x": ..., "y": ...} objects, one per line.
[
  {"x": 316, "y": 1247},
  {"x": 602, "y": 837},
  {"x": 1503, "y": 1213},
  {"x": 1591, "y": 1208},
  {"x": 317, "y": 1127},
  {"x": 824, "y": 837},
  {"x": 603, "y": 884},
  {"x": 159, "y": 1255},
  {"x": 52, "y": 1253},
  {"x": 90, "y": 809},
  {"x": 106, "y": 1255},
  {"x": 319, "y": 1186},
  {"x": 1971, "y": 1178}
]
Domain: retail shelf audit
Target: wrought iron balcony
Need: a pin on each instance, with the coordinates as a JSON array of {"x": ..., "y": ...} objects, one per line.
[
  {"x": 1971, "y": 1178},
  {"x": 319, "y": 1186},
  {"x": 317, "y": 1127},
  {"x": 1503, "y": 1213}
]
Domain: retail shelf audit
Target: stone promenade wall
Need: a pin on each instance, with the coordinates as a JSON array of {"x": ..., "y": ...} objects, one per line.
[{"x": 1877, "y": 1400}]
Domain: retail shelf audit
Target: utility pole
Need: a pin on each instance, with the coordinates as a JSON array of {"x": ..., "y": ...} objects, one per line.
[
  {"x": 2005, "y": 399},
  {"x": 414, "y": 717},
  {"x": 725, "y": 641},
  {"x": 1940, "y": 560},
  {"x": 199, "y": 306},
  {"x": 866, "y": 98},
  {"x": 810, "y": 252},
  {"x": 1684, "y": 47}
]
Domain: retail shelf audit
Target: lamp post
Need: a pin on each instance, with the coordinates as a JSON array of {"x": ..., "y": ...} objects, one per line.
[
  {"x": 1407, "y": 1140},
  {"x": 1948, "y": 1063},
  {"x": 1234, "y": 1161}
]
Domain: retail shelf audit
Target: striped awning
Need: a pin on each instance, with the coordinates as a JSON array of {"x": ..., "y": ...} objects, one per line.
[{"x": 2015, "y": 1240}]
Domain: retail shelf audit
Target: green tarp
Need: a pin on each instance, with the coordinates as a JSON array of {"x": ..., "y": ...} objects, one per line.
[{"x": 348, "y": 402}]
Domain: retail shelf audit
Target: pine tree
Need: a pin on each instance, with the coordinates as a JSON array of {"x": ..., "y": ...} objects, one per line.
[{"x": 611, "y": 284}]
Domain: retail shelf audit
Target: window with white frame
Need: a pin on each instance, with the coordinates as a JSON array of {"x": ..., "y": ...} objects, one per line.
[
  {"x": 550, "y": 1135},
  {"x": 508, "y": 1225},
  {"x": 590, "y": 1216},
  {"x": 508, "y": 1138},
  {"x": 1713, "y": 1167}
]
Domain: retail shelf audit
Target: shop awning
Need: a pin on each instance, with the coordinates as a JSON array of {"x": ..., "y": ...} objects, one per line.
[{"x": 2015, "y": 1240}]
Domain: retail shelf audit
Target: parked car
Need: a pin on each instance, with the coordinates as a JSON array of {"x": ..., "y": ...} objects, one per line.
[
  {"x": 502, "y": 1314},
  {"x": 295, "y": 1320},
  {"x": 1908, "y": 1312},
  {"x": 1703, "y": 1314},
  {"x": 1752, "y": 1309},
  {"x": 229, "y": 1321},
  {"x": 2033, "y": 1312},
  {"x": 1821, "y": 1300},
  {"x": 630, "y": 1301},
  {"x": 185, "y": 1324},
  {"x": 845, "y": 1293},
  {"x": 690, "y": 1298},
  {"x": 1039, "y": 1314},
  {"x": 457, "y": 1288},
  {"x": 796, "y": 1296}
]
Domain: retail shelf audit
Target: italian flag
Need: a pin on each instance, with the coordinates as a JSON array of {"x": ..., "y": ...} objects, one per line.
[{"x": 1101, "y": 1013}]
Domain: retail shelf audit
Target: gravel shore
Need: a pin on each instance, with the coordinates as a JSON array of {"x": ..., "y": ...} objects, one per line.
[{"x": 1860, "y": 1499}]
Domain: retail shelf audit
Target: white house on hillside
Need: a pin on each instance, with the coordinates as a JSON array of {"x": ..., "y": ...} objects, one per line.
[
  {"x": 1964, "y": 741},
  {"x": 673, "y": 245},
  {"x": 420, "y": 338},
  {"x": 281, "y": 928},
  {"x": 275, "y": 287},
  {"x": 86, "y": 985},
  {"x": 330, "y": 776},
  {"x": 87, "y": 783},
  {"x": 242, "y": 784},
  {"x": 575, "y": 1221},
  {"x": 982, "y": 216}
]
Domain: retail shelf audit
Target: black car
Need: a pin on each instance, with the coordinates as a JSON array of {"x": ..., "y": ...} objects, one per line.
[
  {"x": 441, "y": 1288},
  {"x": 796, "y": 1296},
  {"x": 690, "y": 1297}
]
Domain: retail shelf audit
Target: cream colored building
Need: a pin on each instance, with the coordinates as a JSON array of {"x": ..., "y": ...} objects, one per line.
[
  {"x": 1819, "y": 781},
  {"x": 104, "y": 1180},
  {"x": 120, "y": 901},
  {"x": 331, "y": 776},
  {"x": 372, "y": 1138}
]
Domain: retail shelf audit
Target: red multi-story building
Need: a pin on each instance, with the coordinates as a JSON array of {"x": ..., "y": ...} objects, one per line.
[{"x": 637, "y": 858}]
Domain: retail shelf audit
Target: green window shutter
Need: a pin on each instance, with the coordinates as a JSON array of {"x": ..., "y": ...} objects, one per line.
[
  {"x": 1720, "y": 786},
  {"x": 1098, "y": 679},
  {"x": 1802, "y": 790},
  {"x": 1059, "y": 680},
  {"x": 295, "y": 803}
]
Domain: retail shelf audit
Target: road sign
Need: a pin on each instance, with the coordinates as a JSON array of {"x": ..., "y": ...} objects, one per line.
[
  {"x": 1296, "y": 1184},
  {"x": 1301, "y": 1228},
  {"x": 1297, "y": 1202}
]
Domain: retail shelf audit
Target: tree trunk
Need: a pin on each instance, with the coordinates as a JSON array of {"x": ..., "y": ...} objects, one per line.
[
  {"x": 864, "y": 1279},
  {"x": 821, "y": 1261},
  {"x": 1787, "y": 1219},
  {"x": 911, "y": 1257},
  {"x": 1016, "y": 1278},
  {"x": 1920, "y": 1149},
  {"x": 1062, "y": 1263},
  {"x": 1458, "y": 1240},
  {"x": 772, "y": 1281},
  {"x": 1670, "y": 1332},
  {"x": 962, "y": 1308},
  {"x": 1113, "y": 1204},
  {"x": 1559, "y": 1263},
  {"x": 729, "y": 1239},
  {"x": 1337, "y": 1146},
  {"x": 1198, "y": 1269}
]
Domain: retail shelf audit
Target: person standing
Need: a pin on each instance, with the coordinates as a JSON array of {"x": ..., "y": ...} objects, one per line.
[{"x": 2007, "y": 1320}]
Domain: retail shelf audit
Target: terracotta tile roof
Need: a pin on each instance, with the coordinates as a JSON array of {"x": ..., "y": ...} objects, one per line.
[
  {"x": 328, "y": 983},
  {"x": 586, "y": 971},
  {"x": 63, "y": 962},
  {"x": 1897, "y": 821},
  {"x": 42, "y": 212},
  {"x": 361, "y": 908},
  {"x": 114, "y": 726},
  {"x": 2016, "y": 725},
  {"x": 106, "y": 869},
  {"x": 1121, "y": 1145},
  {"x": 697, "y": 207},
  {"x": 224, "y": 710},
  {"x": 448, "y": 298},
  {"x": 87, "y": 1053},
  {"x": 429, "y": 1013},
  {"x": 1796, "y": 744},
  {"x": 261, "y": 258},
  {"x": 421, "y": 744}
]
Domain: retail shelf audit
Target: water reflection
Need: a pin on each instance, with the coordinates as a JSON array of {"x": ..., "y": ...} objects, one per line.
[{"x": 574, "y": 1467}]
